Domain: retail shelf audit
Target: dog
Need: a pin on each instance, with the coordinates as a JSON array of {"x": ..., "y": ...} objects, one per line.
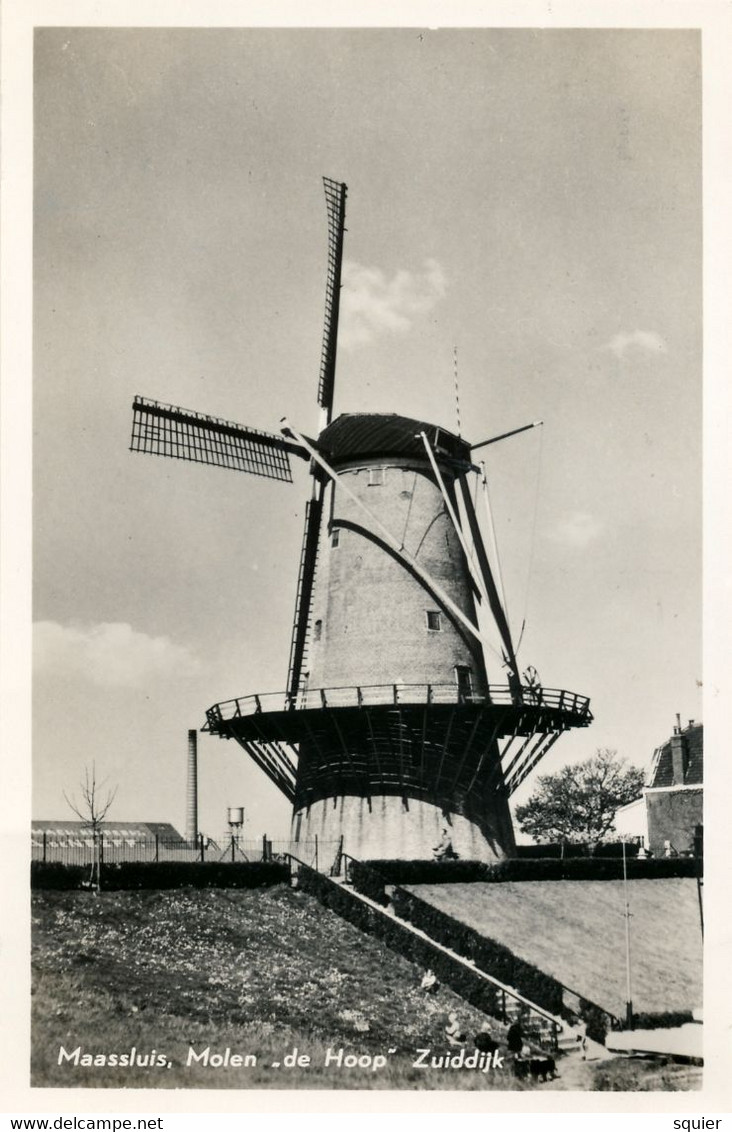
[
  {"x": 539, "y": 1068},
  {"x": 485, "y": 1043}
]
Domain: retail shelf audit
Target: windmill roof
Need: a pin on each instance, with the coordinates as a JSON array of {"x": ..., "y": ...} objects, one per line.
[
  {"x": 370, "y": 435},
  {"x": 662, "y": 772}
]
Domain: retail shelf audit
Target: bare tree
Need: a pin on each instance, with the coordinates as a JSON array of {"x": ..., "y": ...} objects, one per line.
[{"x": 92, "y": 809}]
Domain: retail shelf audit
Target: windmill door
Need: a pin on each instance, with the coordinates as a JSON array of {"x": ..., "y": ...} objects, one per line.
[{"x": 464, "y": 680}]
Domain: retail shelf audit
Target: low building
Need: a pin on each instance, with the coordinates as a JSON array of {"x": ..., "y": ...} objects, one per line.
[
  {"x": 72, "y": 842},
  {"x": 675, "y": 793},
  {"x": 631, "y": 822},
  {"x": 129, "y": 831}
]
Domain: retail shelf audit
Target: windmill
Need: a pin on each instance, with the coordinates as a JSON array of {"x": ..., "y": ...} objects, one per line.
[{"x": 390, "y": 736}]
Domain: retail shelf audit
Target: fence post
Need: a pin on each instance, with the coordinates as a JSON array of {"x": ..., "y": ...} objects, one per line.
[
  {"x": 44, "y": 846},
  {"x": 157, "y": 848},
  {"x": 264, "y": 847},
  {"x": 202, "y": 850},
  {"x": 316, "y": 852}
]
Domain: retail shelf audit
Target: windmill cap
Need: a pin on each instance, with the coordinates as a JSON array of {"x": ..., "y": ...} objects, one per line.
[{"x": 372, "y": 435}]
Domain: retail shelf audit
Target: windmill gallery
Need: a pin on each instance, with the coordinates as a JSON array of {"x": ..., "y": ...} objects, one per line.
[{"x": 405, "y": 718}]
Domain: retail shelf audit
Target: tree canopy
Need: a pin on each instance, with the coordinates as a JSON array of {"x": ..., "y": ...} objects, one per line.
[{"x": 578, "y": 803}]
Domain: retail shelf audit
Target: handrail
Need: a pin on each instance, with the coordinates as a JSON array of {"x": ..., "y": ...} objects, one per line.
[{"x": 367, "y": 695}]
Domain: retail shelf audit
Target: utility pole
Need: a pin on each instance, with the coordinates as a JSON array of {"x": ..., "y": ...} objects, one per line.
[{"x": 628, "y": 995}]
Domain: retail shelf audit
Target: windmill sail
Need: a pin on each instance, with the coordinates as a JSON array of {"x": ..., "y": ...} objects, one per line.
[
  {"x": 313, "y": 512},
  {"x": 335, "y": 199},
  {"x": 494, "y": 600},
  {"x": 164, "y": 430}
]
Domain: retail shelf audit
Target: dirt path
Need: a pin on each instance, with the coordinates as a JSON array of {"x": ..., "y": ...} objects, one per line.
[
  {"x": 576, "y": 1075},
  {"x": 575, "y": 1072}
]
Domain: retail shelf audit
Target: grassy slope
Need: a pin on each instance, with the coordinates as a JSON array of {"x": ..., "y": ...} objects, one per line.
[
  {"x": 575, "y": 930},
  {"x": 260, "y": 971}
]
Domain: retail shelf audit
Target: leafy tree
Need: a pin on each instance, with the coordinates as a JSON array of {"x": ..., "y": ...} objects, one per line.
[{"x": 578, "y": 803}]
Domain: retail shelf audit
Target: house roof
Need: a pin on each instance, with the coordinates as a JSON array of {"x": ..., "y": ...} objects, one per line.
[{"x": 662, "y": 773}]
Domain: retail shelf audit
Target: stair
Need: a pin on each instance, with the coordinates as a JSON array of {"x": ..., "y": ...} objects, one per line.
[{"x": 541, "y": 1028}]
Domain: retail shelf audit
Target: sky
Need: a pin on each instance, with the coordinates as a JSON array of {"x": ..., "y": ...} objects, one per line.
[{"x": 529, "y": 197}]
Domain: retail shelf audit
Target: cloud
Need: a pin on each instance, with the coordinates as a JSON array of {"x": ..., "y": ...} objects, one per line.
[
  {"x": 643, "y": 340},
  {"x": 372, "y": 304},
  {"x": 110, "y": 654},
  {"x": 578, "y": 529}
]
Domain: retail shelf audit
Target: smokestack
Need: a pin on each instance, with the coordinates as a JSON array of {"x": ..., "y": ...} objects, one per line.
[{"x": 192, "y": 788}]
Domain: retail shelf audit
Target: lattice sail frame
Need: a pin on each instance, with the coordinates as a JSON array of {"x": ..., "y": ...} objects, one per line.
[
  {"x": 335, "y": 200},
  {"x": 165, "y": 430}
]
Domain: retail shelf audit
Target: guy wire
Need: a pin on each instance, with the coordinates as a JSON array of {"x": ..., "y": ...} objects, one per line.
[{"x": 457, "y": 390}]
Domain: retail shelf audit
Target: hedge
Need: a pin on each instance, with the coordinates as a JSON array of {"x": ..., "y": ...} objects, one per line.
[
  {"x": 555, "y": 849},
  {"x": 367, "y": 881},
  {"x": 667, "y": 1020},
  {"x": 163, "y": 874},
  {"x": 525, "y": 869},
  {"x": 427, "y": 872},
  {"x": 54, "y": 875}
]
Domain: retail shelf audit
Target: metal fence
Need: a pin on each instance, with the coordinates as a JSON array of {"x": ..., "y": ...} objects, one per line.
[{"x": 79, "y": 849}]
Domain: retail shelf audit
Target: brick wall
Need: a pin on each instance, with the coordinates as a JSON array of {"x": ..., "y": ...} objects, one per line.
[{"x": 672, "y": 816}]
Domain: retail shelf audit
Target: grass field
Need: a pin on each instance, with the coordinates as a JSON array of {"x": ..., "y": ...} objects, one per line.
[
  {"x": 258, "y": 972},
  {"x": 575, "y": 930}
]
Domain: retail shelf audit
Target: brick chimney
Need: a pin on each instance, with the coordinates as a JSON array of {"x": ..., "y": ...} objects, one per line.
[
  {"x": 679, "y": 754},
  {"x": 192, "y": 788}
]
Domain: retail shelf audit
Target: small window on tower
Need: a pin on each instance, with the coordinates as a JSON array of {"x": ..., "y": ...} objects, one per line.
[
  {"x": 376, "y": 477},
  {"x": 318, "y": 630},
  {"x": 335, "y": 536},
  {"x": 434, "y": 621}
]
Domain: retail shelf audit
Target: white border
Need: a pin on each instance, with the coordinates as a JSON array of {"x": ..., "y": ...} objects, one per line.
[{"x": 714, "y": 18}]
